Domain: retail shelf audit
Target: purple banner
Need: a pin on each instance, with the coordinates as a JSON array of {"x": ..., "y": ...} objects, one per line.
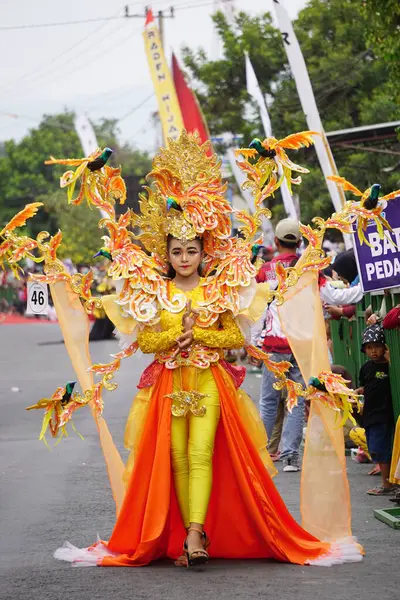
[{"x": 379, "y": 265}]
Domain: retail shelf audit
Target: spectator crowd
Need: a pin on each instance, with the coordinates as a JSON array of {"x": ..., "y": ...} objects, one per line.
[{"x": 340, "y": 290}]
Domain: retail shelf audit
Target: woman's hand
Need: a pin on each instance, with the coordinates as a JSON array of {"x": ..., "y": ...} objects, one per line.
[
  {"x": 189, "y": 317},
  {"x": 335, "y": 311},
  {"x": 373, "y": 319},
  {"x": 184, "y": 342}
]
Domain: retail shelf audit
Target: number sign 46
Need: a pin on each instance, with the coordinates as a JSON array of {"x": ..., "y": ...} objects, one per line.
[{"x": 38, "y": 298}]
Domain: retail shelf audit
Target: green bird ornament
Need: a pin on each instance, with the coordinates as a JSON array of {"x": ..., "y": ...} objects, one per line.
[{"x": 99, "y": 162}]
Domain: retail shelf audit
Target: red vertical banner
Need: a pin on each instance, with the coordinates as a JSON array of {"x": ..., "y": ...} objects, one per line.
[{"x": 193, "y": 119}]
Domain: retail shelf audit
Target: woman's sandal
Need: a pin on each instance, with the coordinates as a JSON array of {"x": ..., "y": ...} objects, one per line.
[
  {"x": 200, "y": 556},
  {"x": 182, "y": 561}
]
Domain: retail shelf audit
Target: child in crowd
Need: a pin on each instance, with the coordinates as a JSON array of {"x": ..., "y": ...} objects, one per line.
[{"x": 378, "y": 417}]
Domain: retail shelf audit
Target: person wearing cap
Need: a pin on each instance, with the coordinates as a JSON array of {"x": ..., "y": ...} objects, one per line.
[
  {"x": 378, "y": 418},
  {"x": 287, "y": 240},
  {"x": 268, "y": 335},
  {"x": 272, "y": 339}
]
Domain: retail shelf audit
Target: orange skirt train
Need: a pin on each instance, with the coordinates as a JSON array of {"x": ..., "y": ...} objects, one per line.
[{"x": 247, "y": 517}]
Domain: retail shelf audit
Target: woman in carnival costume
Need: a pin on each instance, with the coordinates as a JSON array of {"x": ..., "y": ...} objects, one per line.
[{"x": 198, "y": 461}]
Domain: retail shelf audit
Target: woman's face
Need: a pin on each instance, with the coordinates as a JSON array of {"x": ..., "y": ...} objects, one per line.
[{"x": 185, "y": 257}]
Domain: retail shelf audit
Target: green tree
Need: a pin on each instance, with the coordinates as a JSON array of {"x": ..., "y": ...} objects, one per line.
[
  {"x": 350, "y": 82},
  {"x": 25, "y": 178},
  {"x": 132, "y": 160},
  {"x": 79, "y": 226},
  {"x": 383, "y": 23},
  {"x": 221, "y": 85},
  {"x": 352, "y": 89}
]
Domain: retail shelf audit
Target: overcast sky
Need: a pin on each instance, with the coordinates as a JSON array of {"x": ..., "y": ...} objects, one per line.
[{"x": 100, "y": 67}]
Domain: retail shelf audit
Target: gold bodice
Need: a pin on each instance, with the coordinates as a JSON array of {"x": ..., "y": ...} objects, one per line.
[{"x": 208, "y": 342}]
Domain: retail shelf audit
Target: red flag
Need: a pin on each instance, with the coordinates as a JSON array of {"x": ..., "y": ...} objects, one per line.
[
  {"x": 149, "y": 17},
  {"x": 193, "y": 118}
]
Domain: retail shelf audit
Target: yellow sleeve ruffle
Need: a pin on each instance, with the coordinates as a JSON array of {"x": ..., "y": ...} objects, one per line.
[
  {"x": 151, "y": 342},
  {"x": 228, "y": 337}
]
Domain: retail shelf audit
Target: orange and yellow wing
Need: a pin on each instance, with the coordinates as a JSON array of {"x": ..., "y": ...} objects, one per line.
[
  {"x": 21, "y": 218},
  {"x": 297, "y": 140},
  {"x": 346, "y": 185}
]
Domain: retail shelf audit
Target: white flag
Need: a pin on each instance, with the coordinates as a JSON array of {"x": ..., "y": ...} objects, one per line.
[
  {"x": 309, "y": 106},
  {"x": 86, "y": 134},
  {"x": 87, "y": 137},
  {"x": 255, "y": 92}
]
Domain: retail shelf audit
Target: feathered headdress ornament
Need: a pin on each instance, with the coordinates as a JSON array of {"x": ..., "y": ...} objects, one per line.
[{"x": 186, "y": 198}]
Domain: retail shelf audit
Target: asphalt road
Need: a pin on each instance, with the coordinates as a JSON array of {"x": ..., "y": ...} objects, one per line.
[{"x": 48, "y": 497}]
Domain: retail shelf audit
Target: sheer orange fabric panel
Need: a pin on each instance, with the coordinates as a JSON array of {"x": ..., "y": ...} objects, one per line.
[
  {"x": 134, "y": 427},
  {"x": 74, "y": 325},
  {"x": 325, "y": 497},
  {"x": 246, "y": 517}
]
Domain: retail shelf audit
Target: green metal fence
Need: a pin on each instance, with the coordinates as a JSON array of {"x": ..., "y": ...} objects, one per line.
[{"x": 346, "y": 338}]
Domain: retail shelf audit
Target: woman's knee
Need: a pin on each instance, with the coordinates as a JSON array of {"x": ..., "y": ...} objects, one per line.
[
  {"x": 179, "y": 459},
  {"x": 200, "y": 455}
]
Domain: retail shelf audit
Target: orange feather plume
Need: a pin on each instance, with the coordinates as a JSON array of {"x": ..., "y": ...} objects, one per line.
[
  {"x": 21, "y": 218},
  {"x": 297, "y": 140},
  {"x": 54, "y": 244},
  {"x": 346, "y": 185},
  {"x": 390, "y": 196}
]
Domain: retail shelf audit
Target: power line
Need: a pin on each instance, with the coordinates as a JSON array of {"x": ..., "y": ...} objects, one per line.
[
  {"x": 62, "y": 126},
  {"x": 86, "y": 63},
  {"x": 58, "y": 24},
  {"x": 79, "y": 62},
  {"x": 38, "y": 74},
  {"x": 133, "y": 110},
  {"x": 110, "y": 96},
  {"x": 53, "y": 60},
  {"x": 93, "y": 20},
  {"x": 191, "y": 6},
  {"x": 71, "y": 128}
]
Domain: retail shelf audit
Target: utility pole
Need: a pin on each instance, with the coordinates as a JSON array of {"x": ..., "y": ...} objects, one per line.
[
  {"x": 155, "y": 117},
  {"x": 161, "y": 17}
]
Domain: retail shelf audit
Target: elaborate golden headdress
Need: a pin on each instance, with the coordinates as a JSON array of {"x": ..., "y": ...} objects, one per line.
[{"x": 186, "y": 198}]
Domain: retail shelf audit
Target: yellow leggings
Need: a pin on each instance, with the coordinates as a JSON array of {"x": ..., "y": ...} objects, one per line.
[{"x": 192, "y": 446}]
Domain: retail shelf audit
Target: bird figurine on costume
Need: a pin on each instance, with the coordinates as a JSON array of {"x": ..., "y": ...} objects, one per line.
[
  {"x": 171, "y": 203},
  {"x": 319, "y": 385},
  {"x": 255, "y": 249},
  {"x": 368, "y": 199},
  {"x": 103, "y": 252},
  {"x": 257, "y": 145},
  {"x": 372, "y": 200},
  {"x": 99, "y": 162},
  {"x": 69, "y": 388}
]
